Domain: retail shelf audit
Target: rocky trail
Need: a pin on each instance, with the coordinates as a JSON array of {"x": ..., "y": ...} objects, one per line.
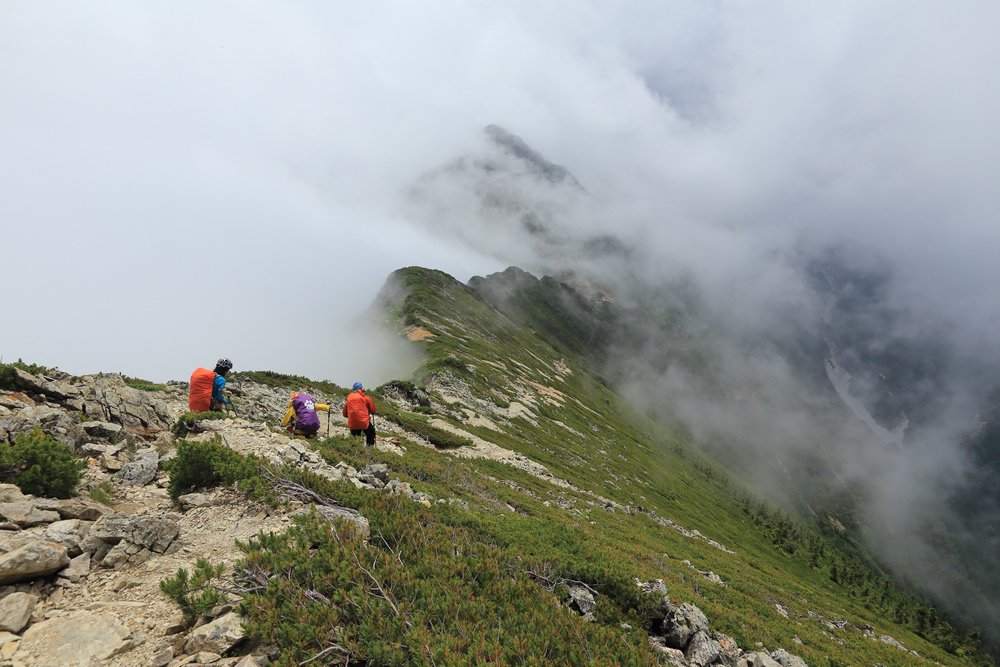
[{"x": 80, "y": 579}]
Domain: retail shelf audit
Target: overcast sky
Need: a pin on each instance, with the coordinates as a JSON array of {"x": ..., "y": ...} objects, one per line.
[{"x": 187, "y": 180}]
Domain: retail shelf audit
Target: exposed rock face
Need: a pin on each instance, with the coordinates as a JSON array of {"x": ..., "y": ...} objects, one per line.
[
  {"x": 26, "y": 514},
  {"x": 104, "y": 431},
  {"x": 786, "y": 659},
  {"x": 681, "y": 624},
  {"x": 52, "y": 421},
  {"x": 15, "y": 611},
  {"x": 105, "y": 398},
  {"x": 137, "y": 473},
  {"x": 115, "y": 539},
  {"x": 9, "y": 493},
  {"x": 355, "y": 517},
  {"x": 79, "y": 640},
  {"x": 25, "y": 557},
  {"x": 702, "y": 650},
  {"x": 69, "y": 533},
  {"x": 581, "y": 599}
]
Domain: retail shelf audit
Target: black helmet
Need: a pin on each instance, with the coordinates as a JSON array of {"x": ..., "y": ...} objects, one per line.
[{"x": 224, "y": 364}]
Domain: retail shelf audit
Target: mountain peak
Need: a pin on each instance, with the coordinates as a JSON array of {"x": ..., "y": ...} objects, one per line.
[{"x": 516, "y": 146}]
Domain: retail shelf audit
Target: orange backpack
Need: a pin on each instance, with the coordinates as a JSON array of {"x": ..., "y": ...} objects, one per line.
[{"x": 200, "y": 396}]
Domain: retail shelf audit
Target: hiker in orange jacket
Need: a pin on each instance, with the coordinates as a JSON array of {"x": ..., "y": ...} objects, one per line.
[{"x": 358, "y": 408}]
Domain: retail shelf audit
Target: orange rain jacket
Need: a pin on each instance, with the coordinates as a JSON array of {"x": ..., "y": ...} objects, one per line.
[
  {"x": 357, "y": 407},
  {"x": 200, "y": 396}
]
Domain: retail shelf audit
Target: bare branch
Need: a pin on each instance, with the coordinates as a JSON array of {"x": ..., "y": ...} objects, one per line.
[{"x": 332, "y": 648}]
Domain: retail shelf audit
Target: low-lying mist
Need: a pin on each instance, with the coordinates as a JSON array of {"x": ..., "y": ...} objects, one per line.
[{"x": 810, "y": 367}]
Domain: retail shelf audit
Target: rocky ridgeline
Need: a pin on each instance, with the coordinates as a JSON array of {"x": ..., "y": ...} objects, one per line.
[{"x": 79, "y": 580}]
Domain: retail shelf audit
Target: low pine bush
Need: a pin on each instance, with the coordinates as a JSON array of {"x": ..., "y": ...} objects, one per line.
[
  {"x": 436, "y": 436},
  {"x": 418, "y": 593},
  {"x": 200, "y": 465},
  {"x": 143, "y": 385},
  {"x": 41, "y": 465}
]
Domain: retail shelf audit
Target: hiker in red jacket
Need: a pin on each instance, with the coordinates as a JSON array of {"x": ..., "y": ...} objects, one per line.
[{"x": 358, "y": 409}]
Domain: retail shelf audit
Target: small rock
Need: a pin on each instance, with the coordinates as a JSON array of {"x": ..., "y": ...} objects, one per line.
[
  {"x": 162, "y": 658},
  {"x": 110, "y": 463},
  {"x": 216, "y": 637},
  {"x": 727, "y": 646},
  {"x": 758, "y": 659},
  {"x": 78, "y": 567},
  {"x": 153, "y": 532},
  {"x": 69, "y": 533},
  {"x": 8, "y": 649},
  {"x": 206, "y": 658},
  {"x": 93, "y": 448},
  {"x": 15, "y": 611},
  {"x": 252, "y": 661},
  {"x": 399, "y": 487},
  {"x": 80, "y": 508}
]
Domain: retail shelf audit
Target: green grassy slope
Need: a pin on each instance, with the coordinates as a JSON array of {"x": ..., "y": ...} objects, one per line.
[{"x": 480, "y": 363}]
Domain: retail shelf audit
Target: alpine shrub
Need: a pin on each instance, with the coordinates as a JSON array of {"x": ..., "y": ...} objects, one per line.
[
  {"x": 200, "y": 465},
  {"x": 194, "y": 593},
  {"x": 41, "y": 465},
  {"x": 422, "y": 593}
]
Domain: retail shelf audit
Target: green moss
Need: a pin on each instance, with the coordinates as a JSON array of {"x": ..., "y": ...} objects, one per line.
[{"x": 102, "y": 493}]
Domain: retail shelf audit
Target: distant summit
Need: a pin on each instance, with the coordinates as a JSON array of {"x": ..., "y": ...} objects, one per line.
[
  {"x": 527, "y": 209},
  {"x": 513, "y": 144}
]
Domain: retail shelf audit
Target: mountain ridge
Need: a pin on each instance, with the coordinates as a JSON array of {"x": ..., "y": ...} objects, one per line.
[{"x": 549, "y": 477}]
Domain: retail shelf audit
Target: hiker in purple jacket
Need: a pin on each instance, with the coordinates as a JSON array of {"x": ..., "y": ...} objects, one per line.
[{"x": 300, "y": 417}]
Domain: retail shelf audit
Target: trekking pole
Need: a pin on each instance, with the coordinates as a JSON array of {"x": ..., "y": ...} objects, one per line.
[{"x": 328, "y": 422}]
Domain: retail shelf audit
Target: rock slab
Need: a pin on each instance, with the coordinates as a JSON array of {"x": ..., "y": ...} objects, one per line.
[
  {"x": 78, "y": 640},
  {"x": 29, "y": 559}
]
